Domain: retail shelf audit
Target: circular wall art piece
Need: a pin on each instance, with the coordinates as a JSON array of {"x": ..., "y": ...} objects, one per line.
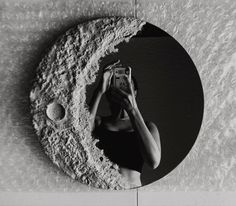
[{"x": 117, "y": 103}]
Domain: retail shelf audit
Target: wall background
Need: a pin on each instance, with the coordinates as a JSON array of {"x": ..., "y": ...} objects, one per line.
[{"x": 206, "y": 29}]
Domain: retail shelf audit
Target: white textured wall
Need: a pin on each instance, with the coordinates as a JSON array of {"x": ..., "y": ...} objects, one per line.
[{"x": 206, "y": 29}]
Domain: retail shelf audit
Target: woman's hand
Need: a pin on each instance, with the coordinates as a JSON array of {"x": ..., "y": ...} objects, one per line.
[
  {"x": 125, "y": 99},
  {"x": 106, "y": 77}
]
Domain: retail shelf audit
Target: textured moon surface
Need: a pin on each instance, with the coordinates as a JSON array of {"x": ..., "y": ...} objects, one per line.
[
  {"x": 55, "y": 111},
  {"x": 60, "y": 114}
]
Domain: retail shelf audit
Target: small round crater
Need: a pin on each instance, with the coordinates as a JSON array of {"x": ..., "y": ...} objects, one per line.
[
  {"x": 55, "y": 111},
  {"x": 101, "y": 159}
]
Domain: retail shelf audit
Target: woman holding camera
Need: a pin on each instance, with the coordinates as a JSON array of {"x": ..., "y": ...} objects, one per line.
[{"x": 125, "y": 137}]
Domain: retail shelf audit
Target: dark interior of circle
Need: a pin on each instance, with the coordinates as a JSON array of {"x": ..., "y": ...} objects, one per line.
[{"x": 170, "y": 93}]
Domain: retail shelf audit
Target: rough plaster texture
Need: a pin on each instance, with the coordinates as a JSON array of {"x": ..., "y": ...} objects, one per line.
[
  {"x": 206, "y": 29},
  {"x": 60, "y": 114}
]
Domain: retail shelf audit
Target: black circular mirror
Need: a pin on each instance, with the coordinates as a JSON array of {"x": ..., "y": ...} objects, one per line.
[{"x": 170, "y": 95}]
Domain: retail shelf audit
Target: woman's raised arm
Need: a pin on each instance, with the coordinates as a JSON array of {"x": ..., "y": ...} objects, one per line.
[
  {"x": 103, "y": 86},
  {"x": 149, "y": 138}
]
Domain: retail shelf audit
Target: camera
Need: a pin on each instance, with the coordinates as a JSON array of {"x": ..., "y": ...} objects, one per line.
[{"x": 119, "y": 74}]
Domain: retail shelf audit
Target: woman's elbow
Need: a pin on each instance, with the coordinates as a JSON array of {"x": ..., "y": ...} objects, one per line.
[{"x": 155, "y": 162}]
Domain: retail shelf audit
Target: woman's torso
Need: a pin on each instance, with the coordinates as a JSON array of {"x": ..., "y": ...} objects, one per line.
[{"x": 121, "y": 145}]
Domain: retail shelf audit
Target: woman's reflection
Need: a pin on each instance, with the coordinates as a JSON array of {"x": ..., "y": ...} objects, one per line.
[{"x": 125, "y": 137}]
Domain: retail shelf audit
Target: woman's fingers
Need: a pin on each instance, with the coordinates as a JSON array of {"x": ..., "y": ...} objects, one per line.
[
  {"x": 128, "y": 81},
  {"x": 115, "y": 63},
  {"x": 108, "y": 70},
  {"x": 109, "y": 81},
  {"x": 110, "y": 66},
  {"x": 129, "y": 73}
]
